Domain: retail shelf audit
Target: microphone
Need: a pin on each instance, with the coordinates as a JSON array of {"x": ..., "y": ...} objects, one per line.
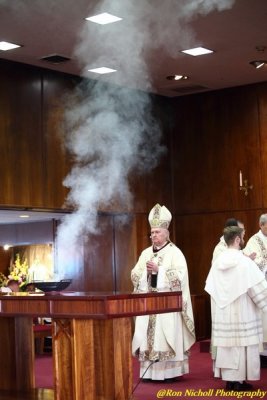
[
  {"x": 154, "y": 275},
  {"x": 154, "y": 280}
]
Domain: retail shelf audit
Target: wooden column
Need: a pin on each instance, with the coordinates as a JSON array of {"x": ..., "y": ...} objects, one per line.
[
  {"x": 17, "y": 354},
  {"x": 98, "y": 355}
]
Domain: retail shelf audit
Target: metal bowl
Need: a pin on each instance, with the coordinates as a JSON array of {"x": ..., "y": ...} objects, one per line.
[{"x": 52, "y": 286}]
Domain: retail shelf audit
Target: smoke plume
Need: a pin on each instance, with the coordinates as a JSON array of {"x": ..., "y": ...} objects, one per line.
[{"x": 111, "y": 130}]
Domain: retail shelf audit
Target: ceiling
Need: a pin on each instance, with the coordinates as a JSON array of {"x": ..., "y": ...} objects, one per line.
[
  {"x": 13, "y": 216},
  {"x": 145, "y": 47}
]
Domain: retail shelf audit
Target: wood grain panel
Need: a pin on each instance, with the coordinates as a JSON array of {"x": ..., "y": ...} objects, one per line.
[
  {"x": 21, "y": 141},
  {"x": 62, "y": 359},
  {"x": 142, "y": 239},
  {"x": 89, "y": 305},
  {"x": 202, "y": 315},
  {"x": 56, "y": 88},
  {"x": 81, "y": 308},
  {"x": 7, "y": 335},
  {"x": 262, "y": 98},
  {"x": 104, "y": 359},
  {"x": 99, "y": 356},
  {"x": 125, "y": 250},
  {"x": 123, "y": 366},
  {"x": 196, "y": 236},
  {"x": 16, "y": 366},
  {"x": 24, "y": 343},
  {"x": 216, "y": 136},
  {"x": 154, "y": 185},
  {"x": 159, "y": 180},
  {"x": 148, "y": 183},
  {"x": 99, "y": 269},
  {"x": 23, "y": 306},
  {"x": 84, "y": 367}
]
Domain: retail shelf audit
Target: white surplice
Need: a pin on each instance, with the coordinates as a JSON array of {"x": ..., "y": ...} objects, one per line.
[
  {"x": 219, "y": 248},
  {"x": 258, "y": 244},
  {"x": 238, "y": 293}
]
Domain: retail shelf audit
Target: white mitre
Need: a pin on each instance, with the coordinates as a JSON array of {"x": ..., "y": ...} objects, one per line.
[{"x": 159, "y": 217}]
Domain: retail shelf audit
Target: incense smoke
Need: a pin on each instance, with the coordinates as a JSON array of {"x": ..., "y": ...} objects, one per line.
[{"x": 111, "y": 128}]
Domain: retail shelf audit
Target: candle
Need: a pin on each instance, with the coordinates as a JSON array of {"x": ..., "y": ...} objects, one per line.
[{"x": 240, "y": 179}]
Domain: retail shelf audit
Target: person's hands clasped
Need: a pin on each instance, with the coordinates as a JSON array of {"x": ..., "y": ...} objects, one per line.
[
  {"x": 151, "y": 267},
  {"x": 253, "y": 255}
]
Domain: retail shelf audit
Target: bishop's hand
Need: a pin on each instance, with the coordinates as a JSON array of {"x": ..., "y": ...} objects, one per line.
[{"x": 151, "y": 267}]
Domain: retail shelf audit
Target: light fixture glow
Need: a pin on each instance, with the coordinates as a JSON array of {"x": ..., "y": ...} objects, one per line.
[
  {"x": 177, "y": 77},
  {"x": 24, "y": 216},
  {"x": 8, "y": 46},
  {"x": 197, "y": 51},
  {"x": 6, "y": 247},
  {"x": 103, "y": 19},
  {"x": 258, "y": 64},
  {"x": 102, "y": 70}
]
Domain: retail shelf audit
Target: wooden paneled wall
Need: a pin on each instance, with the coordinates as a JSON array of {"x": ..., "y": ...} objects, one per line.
[
  {"x": 33, "y": 161},
  {"x": 209, "y": 138},
  {"x": 215, "y": 135}
]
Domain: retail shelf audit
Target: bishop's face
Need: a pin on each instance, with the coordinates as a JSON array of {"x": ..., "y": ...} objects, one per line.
[{"x": 159, "y": 236}]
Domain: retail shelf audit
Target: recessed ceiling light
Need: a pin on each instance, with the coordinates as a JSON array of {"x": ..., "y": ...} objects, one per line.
[
  {"x": 8, "y": 46},
  {"x": 177, "y": 77},
  {"x": 103, "y": 19},
  {"x": 102, "y": 70},
  {"x": 24, "y": 216},
  {"x": 197, "y": 51}
]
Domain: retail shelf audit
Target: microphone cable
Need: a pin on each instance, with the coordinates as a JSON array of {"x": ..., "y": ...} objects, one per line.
[{"x": 140, "y": 379}]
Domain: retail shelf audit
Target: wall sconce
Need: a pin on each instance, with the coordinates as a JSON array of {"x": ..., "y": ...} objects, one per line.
[
  {"x": 246, "y": 186},
  {"x": 258, "y": 63}
]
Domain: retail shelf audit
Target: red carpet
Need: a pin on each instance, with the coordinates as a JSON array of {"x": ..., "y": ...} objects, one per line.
[
  {"x": 199, "y": 383},
  {"x": 44, "y": 371}
]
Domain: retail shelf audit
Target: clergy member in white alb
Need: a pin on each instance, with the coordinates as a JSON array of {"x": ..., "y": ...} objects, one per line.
[
  {"x": 163, "y": 338},
  {"x": 258, "y": 244},
  {"x": 238, "y": 293},
  {"x": 221, "y": 246}
]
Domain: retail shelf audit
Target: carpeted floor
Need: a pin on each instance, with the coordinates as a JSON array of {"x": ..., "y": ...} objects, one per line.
[
  {"x": 44, "y": 371},
  {"x": 199, "y": 383}
]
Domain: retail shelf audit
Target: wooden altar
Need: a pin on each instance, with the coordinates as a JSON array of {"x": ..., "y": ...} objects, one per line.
[{"x": 92, "y": 334}]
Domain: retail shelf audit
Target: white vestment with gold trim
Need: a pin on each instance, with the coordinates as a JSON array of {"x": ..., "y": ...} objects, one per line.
[{"x": 165, "y": 338}]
